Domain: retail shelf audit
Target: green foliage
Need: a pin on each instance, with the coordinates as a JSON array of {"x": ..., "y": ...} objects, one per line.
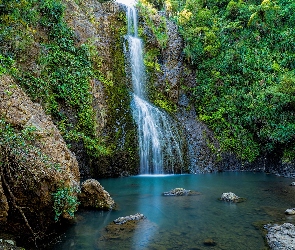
[
  {"x": 51, "y": 12},
  {"x": 62, "y": 80},
  {"x": 65, "y": 201},
  {"x": 15, "y": 141},
  {"x": 156, "y": 23},
  {"x": 7, "y": 65},
  {"x": 164, "y": 103},
  {"x": 243, "y": 53},
  {"x": 151, "y": 60}
]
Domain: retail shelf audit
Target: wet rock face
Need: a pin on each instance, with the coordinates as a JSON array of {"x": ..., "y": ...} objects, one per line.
[
  {"x": 30, "y": 178},
  {"x": 102, "y": 26},
  {"x": 172, "y": 63},
  {"x": 89, "y": 21},
  {"x": 93, "y": 195},
  {"x": 173, "y": 74},
  {"x": 201, "y": 159},
  {"x": 92, "y": 23},
  {"x": 280, "y": 237}
]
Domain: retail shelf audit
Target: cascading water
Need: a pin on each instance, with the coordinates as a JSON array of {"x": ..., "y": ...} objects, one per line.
[{"x": 160, "y": 144}]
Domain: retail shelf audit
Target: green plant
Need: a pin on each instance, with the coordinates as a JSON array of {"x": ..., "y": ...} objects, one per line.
[
  {"x": 65, "y": 201},
  {"x": 155, "y": 22},
  {"x": 151, "y": 60},
  {"x": 7, "y": 65}
]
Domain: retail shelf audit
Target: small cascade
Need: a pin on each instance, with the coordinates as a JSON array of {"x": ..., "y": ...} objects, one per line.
[{"x": 160, "y": 143}]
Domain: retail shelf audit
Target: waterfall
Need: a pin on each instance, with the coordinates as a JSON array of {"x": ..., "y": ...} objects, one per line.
[{"x": 160, "y": 145}]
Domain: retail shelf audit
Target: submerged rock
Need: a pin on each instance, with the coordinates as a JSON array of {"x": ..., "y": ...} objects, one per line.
[
  {"x": 123, "y": 229},
  {"x": 9, "y": 245},
  {"x": 280, "y": 236},
  {"x": 180, "y": 192},
  {"x": 209, "y": 242},
  {"x": 290, "y": 211},
  {"x": 231, "y": 197},
  {"x": 93, "y": 195},
  {"x": 123, "y": 220}
]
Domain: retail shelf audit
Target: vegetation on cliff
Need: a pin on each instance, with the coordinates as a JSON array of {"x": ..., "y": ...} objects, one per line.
[
  {"x": 38, "y": 49},
  {"x": 155, "y": 33},
  {"x": 243, "y": 54},
  {"x": 64, "y": 70}
]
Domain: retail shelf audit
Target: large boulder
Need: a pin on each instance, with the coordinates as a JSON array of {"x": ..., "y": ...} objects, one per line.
[
  {"x": 39, "y": 175},
  {"x": 93, "y": 195},
  {"x": 125, "y": 219},
  {"x": 9, "y": 245}
]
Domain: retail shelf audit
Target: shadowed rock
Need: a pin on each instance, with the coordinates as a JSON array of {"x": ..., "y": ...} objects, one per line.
[
  {"x": 209, "y": 242},
  {"x": 93, "y": 195}
]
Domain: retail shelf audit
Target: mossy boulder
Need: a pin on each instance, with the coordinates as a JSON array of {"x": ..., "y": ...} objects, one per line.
[{"x": 35, "y": 164}]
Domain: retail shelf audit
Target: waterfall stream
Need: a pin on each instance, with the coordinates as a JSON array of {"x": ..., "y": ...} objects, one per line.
[{"x": 160, "y": 144}]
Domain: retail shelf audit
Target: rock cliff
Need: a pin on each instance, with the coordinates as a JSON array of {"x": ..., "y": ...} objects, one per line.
[
  {"x": 103, "y": 25},
  {"x": 171, "y": 79}
]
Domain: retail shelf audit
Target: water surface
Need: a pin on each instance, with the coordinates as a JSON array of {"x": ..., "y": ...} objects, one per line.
[{"x": 186, "y": 222}]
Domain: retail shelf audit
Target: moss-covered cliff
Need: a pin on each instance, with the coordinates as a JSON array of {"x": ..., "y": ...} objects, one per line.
[{"x": 68, "y": 56}]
